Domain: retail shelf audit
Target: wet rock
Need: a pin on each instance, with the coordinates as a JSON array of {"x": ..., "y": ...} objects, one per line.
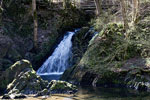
[
  {"x": 6, "y": 96},
  {"x": 25, "y": 79},
  {"x": 80, "y": 44},
  {"x": 20, "y": 96},
  {"x": 27, "y": 82},
  {"x": 43, "y": 93},
  {"x": 62, "y": 87},
  {"x": 14, "y": 96},
  {"x": 13, "y": 71}
]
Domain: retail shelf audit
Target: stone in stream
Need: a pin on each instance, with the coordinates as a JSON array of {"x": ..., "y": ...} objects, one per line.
[
  {"x": 44, "y": 92},
  {"x": 62, "y": 87},
  {"x": 14, "y": 96}
]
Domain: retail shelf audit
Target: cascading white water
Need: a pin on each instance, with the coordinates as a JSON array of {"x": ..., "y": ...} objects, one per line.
[{"x": 58, "y": 61}]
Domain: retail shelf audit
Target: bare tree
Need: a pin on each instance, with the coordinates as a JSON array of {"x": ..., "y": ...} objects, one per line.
[
  {"x": 1, "y": 9},
  {"x": 135, "y": 10},
  {"x": 98, "y": 4},
  {"x": 124, "y": 14},
  {"x": 35, "y": 22},
  {"x": 66, "y": 3}
]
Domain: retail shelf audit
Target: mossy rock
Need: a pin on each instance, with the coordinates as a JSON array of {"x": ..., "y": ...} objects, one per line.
[
  {"x": 25, "y": 79},
  {"x": 43, "y": 93},
  {"x": 61, "y": 87},
  {"x": 13, "y": 71}
]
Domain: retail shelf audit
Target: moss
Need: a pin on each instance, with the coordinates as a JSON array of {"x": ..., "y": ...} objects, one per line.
[
  {"x": 111, "y": 78},
  {"x": 26, "y": 81},
  {"x": 61, "y": 85},
  {"x": 13, "y": 71}
]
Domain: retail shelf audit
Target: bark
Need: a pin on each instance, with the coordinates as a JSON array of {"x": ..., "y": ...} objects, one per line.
[
  {"x": 1, "y": 9},
  {"x": 124, "y": 14},
  {"x": 35, "y": 22},
  {"x": 98, "y": 7},
  {"x": 135, "y": 10},
  {"x": 66, "y": 3}
]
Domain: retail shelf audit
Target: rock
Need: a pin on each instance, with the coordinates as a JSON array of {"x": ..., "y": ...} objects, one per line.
[
  {"x": 43, "y": 93},
  {"x": 27, "y": 82},
  {"x": 12, "y": 72},
  {"x": 24, "y": 79},
  {"x": 14, "y": 96},
  {"x": 62, "y": 87},
  {"x": 20, "y": 96},
  {"x": 80, "y": 44},
  {"x": 6, "y": 96}
]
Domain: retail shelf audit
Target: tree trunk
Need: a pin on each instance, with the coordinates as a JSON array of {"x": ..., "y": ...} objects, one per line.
[
  {"x": 124, "y": 14},
  {"x": 66, "y": 3},
  {"x": 135, "y": 10},
  {"x": 1, "y": 10},
  {"x": 98, "y": 7},
  {"x": 35, "y": 22}
]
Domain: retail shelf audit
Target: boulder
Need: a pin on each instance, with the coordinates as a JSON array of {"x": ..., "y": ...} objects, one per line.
[
  {"x": 12, "y": 72},
  {"x": 21, "y": 78},
  {"x": 6, "y": 96},
  {"x": 44, "y": 92},
  {"x": 26, "y": 81},
  {"x": 14, "y": 96},
  {"x": 20, "y": 96},
  {"x": 62, "y": 87}
]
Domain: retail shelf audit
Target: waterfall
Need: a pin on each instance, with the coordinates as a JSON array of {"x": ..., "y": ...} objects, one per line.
[{"x": 59, "y": 60}]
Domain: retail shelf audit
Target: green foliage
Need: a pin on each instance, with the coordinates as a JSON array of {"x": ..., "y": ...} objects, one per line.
[
  {"x": 100, "y": 22},
  {"x": 110, "y": 48}
]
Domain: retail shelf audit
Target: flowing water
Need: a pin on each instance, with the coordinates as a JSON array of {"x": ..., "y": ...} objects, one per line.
[{"x": 58, "y": 62}]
